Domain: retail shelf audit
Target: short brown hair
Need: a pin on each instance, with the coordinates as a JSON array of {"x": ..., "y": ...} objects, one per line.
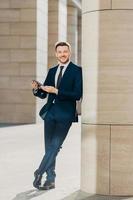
[{"x": 62, "y": 44}]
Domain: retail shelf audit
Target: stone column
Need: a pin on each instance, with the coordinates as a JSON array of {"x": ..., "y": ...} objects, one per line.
[
  {"x": 41, "y": 48},
  {"x": 107, "y": 108},
  {"x": 74, "y": 36},
  {"x": 57, "y": 26},
  {"x": 72, "y": 31},
  {"x": 22, "y": 57},
  {"x": 79, "y": 38},
  {"x": 17, "y": 60}
]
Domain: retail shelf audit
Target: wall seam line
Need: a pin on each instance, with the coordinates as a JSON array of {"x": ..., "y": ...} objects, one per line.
[
  {"x": 127, "y": 9},
  {"x": 93, "y": 124},
  {"x": 110, "y": 162}
]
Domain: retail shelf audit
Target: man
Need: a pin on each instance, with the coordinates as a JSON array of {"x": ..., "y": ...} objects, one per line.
[{"x": 63, "y": 86}]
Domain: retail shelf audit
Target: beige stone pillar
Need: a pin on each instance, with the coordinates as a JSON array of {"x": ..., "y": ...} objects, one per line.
[
  {"x": 57, "y": 26},
  {"x": 107, "y": 108},
  {"x": 22, "y": 57},
  {"x": 17, "y": 60},
  {"x": 41, "y": 48},
  {"x": 74, "y": 35},
  {"x": 79, "y": 38},
  {"x": 72, "y": 31}
]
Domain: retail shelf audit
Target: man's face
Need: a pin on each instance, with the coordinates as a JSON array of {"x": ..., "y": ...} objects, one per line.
[{"x": 63, "y": 54}]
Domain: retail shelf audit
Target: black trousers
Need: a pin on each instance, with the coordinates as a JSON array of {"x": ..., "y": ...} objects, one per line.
[{"x": 55, "y": 133}]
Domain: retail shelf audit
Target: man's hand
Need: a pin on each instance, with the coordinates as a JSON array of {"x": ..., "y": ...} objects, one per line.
[
  {"x": 34, "y": 85},
  {"x": 49, "y": 89}
]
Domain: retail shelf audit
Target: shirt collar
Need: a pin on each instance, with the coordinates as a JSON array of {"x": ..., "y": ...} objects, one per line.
[{"x": 65, "y": 65}]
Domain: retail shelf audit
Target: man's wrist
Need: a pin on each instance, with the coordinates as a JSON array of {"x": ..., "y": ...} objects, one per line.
[{"x": 56, "y": 91}]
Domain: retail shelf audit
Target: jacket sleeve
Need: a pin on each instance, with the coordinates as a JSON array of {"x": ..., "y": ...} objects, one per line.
[
  {"x": 76, "y": 92},
  {"x": 39, "y": 92}
]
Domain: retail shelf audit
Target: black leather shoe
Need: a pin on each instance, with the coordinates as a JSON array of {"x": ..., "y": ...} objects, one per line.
[
  {"x": 37, "y": 181},
  {"x": 47, "y": 186}
]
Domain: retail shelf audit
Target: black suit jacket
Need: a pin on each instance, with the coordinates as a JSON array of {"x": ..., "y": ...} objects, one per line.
[{"x": 69, "y": 91}]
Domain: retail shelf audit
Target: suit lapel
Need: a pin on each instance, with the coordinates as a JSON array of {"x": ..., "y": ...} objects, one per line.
[{"x": 54, "y": 73}]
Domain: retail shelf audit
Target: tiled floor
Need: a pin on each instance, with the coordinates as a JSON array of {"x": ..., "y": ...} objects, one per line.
[{"x": 21, "y": 150}]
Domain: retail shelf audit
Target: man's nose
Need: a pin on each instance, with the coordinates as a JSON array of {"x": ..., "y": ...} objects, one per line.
[{"x": 62, "y": 54}]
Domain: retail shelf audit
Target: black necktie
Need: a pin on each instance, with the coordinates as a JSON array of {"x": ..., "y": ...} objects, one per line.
[{"x": 59, "y": 76}]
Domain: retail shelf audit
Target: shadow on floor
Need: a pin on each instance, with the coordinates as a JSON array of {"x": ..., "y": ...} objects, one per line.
[
  {"x": 4, "y": 125},
  {"x": 79, "y": 195},
  {"x": 28, "y": 194}
]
